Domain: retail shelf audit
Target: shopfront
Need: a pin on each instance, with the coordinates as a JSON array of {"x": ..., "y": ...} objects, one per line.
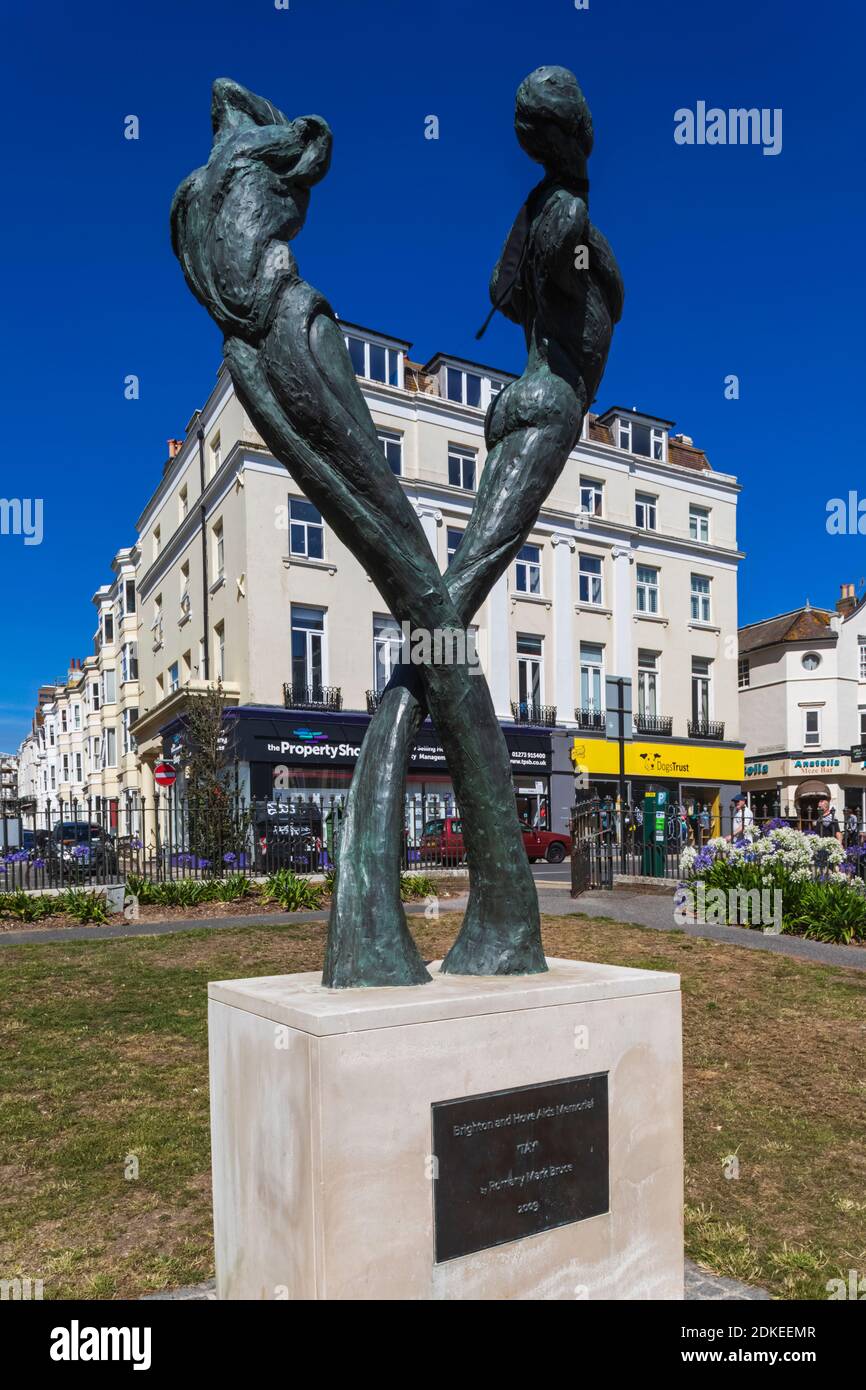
[
  {"x": 793, "y": 787},
  {"x": 702, "y": 779},
  {"x": 290, "y": 759}
]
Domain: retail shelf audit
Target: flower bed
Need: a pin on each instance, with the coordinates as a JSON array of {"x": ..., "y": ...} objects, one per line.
[
  {"x": 817, "y": 881},
  {"x": 192, "y": 898}
]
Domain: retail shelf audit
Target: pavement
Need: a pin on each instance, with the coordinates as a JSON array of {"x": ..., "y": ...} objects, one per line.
[
  {"x": 656, "y": 910},
  {"x": 700, "y": 1284}
]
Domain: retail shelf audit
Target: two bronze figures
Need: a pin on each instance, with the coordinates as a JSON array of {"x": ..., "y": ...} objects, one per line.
[{"x": 557, "y": 278}]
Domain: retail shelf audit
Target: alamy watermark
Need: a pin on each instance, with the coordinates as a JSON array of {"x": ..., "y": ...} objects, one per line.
[
  {"x": 22, "y": 516},
  {"x": 846, "y": 516},
  {"x": 17, "y": 1289},
  {"x": 722, "y": 907},
  {"x": 736, "y": 126}
]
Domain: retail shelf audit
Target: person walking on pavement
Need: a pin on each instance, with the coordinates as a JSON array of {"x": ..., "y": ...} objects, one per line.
[{"x": 743, "y": 825}]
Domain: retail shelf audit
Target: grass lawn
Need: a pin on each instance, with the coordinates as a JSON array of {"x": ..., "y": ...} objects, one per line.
[{"x": 103, "y": 1056}]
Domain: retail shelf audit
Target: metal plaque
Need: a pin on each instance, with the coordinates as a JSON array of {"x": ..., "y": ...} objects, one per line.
[{"x": 509, "y": 1164}]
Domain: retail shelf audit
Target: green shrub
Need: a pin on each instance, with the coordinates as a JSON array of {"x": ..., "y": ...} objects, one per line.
[
  {"x": 144, "y": 889},
  {"x": 331, "y": 881},
  {"x": 232, "y": 888},
  {"x": 185, "y": 892},
  {"x": 27, "y": 907},
  {"x": 294, "y": 894},
  {"x": 83, "y": 904},
  {"x": 416, "y": 886},
  {"x": 833, "y": 912}
]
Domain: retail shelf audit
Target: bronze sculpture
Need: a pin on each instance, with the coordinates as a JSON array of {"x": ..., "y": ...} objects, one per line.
[{"x": 557, "y": 277}]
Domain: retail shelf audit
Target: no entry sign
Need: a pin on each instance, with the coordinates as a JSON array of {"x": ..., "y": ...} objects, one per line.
[{"x": 165, "y": 775}]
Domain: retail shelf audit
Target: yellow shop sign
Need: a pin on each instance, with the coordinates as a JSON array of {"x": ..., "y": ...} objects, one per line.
[{"x": 681, "y": 761}]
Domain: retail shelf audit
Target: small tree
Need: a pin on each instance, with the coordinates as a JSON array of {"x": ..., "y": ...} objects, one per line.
[{"x": 218, "y": 825}]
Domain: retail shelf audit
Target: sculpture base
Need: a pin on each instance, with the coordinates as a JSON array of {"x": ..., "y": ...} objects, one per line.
[{"x": 475, "y": 1138}]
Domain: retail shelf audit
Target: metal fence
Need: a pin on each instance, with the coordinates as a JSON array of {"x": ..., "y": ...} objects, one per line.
[
  {"x": 608, "y": 840},
  {"x": 94, "y": 842}
]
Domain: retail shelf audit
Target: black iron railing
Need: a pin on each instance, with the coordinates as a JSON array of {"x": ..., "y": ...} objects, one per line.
[
  {"x": 374, "y": 698},
  {"x": 523, "y": 712},
  {"x": 660, "y": 724},
  {"x": 589, "y": 719},
  {"x": 324, "y": 697},
  {"x": 706, "y": 728}
]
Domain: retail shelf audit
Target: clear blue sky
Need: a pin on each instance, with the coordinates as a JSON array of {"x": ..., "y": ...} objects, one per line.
[{"x": 734, "y": 262}]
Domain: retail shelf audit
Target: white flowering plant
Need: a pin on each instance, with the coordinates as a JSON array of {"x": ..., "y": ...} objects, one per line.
[{"x": 823, "y": 893}]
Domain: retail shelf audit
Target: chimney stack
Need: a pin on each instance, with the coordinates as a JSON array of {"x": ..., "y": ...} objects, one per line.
[
  {"x": 174, "y": 447},
  {"x": 847, "y": 600}
]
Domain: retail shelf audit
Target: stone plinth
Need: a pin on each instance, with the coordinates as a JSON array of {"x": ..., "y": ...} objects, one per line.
[{"x": 323, "y": 1148}]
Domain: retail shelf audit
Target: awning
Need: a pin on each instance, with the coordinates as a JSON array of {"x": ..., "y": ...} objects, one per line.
[{"x": 813, "y": 788}]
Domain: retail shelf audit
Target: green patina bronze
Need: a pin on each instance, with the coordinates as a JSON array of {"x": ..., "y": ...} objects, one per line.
[{"x": 231, "y": 222}]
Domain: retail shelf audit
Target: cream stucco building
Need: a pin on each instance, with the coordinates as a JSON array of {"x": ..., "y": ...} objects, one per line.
[
  {"x": 630, "y": 571},
  {"x": 802, "y": 679},
  {"x": 80, "y": 757}
]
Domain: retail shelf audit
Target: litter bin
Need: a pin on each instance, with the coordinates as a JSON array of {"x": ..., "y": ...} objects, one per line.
[{"x": 655, "y": 808}]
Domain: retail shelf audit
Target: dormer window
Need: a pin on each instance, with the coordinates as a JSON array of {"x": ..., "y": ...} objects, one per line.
[
  {"x": 375, "y": 361},
  {"x": 464, "y": 387},
  {"x": 637, "y": 438}
]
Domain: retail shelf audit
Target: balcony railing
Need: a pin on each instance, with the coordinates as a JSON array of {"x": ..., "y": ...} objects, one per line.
[
  {"x": 706, "y": 728},
  {"x": 590, "y": 719},
  {"x": 374, "y": 698},
  {"x": 523, "y": 712},
  {"x": 660, "y": 725},
  {"x": 324, "y": 697}
]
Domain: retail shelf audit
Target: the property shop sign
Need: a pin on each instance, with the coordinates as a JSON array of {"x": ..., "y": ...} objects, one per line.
[{"x": 324, "y": 742}]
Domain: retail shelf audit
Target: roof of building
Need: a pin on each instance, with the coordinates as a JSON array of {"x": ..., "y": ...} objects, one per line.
[
  {"x": 804, "y": 624},
  {"x": 680, "y": 453}
]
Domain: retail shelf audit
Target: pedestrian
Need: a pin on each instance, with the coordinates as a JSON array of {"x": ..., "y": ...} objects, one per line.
[
  {"x": 852, "y": 829},
  {"x": 825, "y": 823},
  {"x": 743, "y": 823}
]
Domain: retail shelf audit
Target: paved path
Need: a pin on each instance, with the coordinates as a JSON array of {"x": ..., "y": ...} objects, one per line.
[
  {"x": 656, "y": 910},
  {"x": 647, "y": 909},
  {"x": 126, "y": 929},
  {"x": 700, "y": 1284}
]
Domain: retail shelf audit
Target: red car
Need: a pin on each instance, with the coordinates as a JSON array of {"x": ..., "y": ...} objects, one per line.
[{"x": 442, "y": 842}]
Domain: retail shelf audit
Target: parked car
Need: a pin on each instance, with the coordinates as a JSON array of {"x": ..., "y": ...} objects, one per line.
[
  {"x": 442, "y": 842},
  {"x": 76, "y": 849}
]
